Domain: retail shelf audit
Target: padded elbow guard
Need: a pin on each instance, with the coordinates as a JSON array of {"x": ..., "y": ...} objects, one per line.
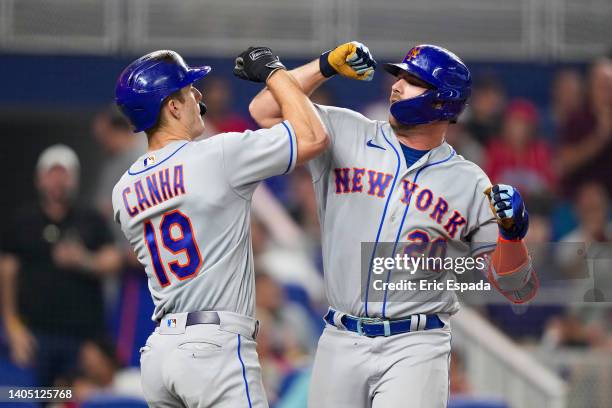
[{"x": 519, "y": 285}]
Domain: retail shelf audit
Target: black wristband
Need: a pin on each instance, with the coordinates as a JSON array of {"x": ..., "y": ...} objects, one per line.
[{"x": 325, "y": 67}]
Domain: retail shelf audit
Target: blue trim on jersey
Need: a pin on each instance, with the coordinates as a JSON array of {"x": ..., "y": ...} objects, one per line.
[
  {"x": 399, "y": 231},
  {"x": 382, "y": 220},
  {"x": 290, "y": 147},
  {"x": 246, "y": 384},
  {"x": 161, "y": 162}
]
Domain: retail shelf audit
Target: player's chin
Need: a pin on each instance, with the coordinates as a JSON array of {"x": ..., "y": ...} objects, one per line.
[{"x": 198, "y": 128}]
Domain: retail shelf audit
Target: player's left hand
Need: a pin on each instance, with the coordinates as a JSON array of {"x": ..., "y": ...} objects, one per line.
[
  {"x": 256, "y": 64},
  {"x": 509, "y": 209},
  {"x": 352, "y": 60}
]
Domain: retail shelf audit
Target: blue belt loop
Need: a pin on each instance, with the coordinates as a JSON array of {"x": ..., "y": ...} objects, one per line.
[
  {"x": 387, "y": 328},
  {"x": 359, "y": 328}
]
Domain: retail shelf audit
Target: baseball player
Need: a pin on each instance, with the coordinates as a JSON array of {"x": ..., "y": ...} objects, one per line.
[
  {"x": 399, "y": 182},
  {"x": 185, "y": 208}
]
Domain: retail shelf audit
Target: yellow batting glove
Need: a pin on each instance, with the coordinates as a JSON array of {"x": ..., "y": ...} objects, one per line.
[{"x": 352, "y": 60}]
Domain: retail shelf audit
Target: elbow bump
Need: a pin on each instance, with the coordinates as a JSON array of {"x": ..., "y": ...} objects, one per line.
[
  {"x": 322, "y": 137},
  {"x": 320, "y": 141},
  {"x": 253, "y": 110},
  {"x": 259, "y": 116}
]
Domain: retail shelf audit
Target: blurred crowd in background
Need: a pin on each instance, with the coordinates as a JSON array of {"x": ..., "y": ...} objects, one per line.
[{"x": 88, "y": 330}]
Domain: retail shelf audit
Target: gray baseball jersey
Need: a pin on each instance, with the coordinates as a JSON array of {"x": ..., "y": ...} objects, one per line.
[
  {"x": 185, "y": 209},
  {"x": 366, "y": 193}
]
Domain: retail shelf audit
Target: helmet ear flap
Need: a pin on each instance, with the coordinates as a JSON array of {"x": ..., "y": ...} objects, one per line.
[{"x": 427, "y": 108}]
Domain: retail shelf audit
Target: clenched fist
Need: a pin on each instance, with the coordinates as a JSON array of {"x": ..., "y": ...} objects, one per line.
[
  {"x": 509, "y": 210},
  {"x": 256, "y": 64},
  {"x": 352, "y": 60}
]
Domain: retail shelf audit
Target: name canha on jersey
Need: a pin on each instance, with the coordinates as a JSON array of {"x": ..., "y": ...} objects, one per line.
[{"x": 185, "y": 209}]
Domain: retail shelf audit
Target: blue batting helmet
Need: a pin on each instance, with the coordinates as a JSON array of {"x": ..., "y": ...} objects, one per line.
[
  {"x": 448, "y": 77},
  {"x": 146, "y": 82}
]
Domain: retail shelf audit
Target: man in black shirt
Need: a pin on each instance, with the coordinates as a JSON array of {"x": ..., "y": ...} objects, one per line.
[{"x": 54, "y": 256}]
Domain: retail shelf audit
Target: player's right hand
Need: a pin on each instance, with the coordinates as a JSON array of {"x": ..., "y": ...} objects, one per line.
[
  {"x": 256, "y": 64},
  {"x": 352, "y": 60},
  {"x": 509, "y": 210}
]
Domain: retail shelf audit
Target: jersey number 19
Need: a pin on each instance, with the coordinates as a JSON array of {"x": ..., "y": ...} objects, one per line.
[{"x": 183, "y": 242}]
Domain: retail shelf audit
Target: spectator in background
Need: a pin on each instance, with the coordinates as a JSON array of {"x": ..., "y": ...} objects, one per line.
[
  {"x": 122, "y": 146},
  {"x": 99, "y": 373},
  {"x": 566, "y": 98},
  {"x": 464, "y": 143},
  {"x": 290, "y": 321},
  {"x": 525, "y": 323},
  {"x": 287, "y": 261},
  {"x": 303, "y": 205},
  {"x": 518, "y": 156},
  {"x": 219, "y": 115},
  {"x": 592, "y": 236},
  {"x": 303, "y": 208},
  {"x": 485, "y": 108},
  {"x": 286, "y": 335},
  {"x": 55, "y": 257},
  {"x": 592, "y": 210},
  {"x": 586, "y": 142},
  {"x": 114, "y": 134},
  {"x": 539, "y": 242},
  {"x": 587, "y": 324}
]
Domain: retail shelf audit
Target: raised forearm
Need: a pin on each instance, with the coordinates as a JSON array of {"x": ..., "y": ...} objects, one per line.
[
  {"x": 264, "y": 108},
  {"x": 295, "y": 107},
  {"x": 573, "y": 157},
  {"x": 351, "y": 60}
]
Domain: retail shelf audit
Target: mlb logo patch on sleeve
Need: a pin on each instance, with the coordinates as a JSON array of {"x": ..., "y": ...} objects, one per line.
[
  {"x": 150, "y": 159},
  {"x": 171, "y": 322}
]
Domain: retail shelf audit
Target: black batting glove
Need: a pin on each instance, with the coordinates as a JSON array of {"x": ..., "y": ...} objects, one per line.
[{"x": 256, "y": 64}]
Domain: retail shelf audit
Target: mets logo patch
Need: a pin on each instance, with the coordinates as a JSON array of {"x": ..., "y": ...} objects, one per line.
[{"x": 412, "y": 53}]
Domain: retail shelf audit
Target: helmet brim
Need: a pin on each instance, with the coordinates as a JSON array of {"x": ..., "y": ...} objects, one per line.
[
  {"x": 410, "y": 69},
  {"x": 394, "y": 69},
  {"x": 196, "y": 73}
]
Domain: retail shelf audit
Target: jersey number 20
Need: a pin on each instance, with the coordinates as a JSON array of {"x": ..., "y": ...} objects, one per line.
[{"x": 182, "y": 243}]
